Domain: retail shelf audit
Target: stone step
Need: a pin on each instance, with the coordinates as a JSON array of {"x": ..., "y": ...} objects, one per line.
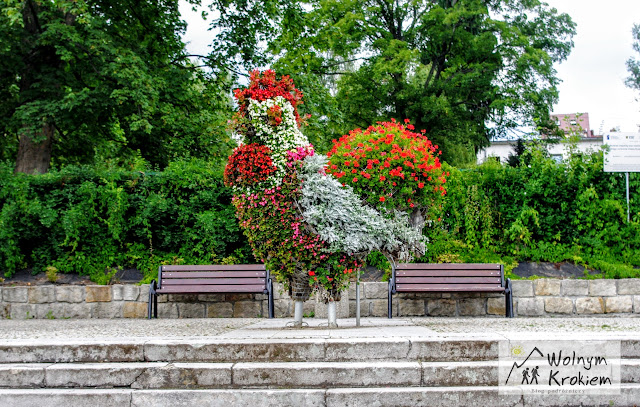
[
  {"x": 336, "y": 397},
  {"x": 163, "y": 375},
  {"x": 437, "y": 349},
  {"x": 249, "y": 350}
]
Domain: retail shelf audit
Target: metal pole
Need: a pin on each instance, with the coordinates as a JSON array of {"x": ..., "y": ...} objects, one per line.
[
  {"x": 358, "y": 298},
  {"x": 628, "y": 212}
]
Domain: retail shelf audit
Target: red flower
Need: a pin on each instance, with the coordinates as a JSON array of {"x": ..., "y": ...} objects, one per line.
[
  {"x": 382, "y": 199},
  {"x": 312, "y": 273}
]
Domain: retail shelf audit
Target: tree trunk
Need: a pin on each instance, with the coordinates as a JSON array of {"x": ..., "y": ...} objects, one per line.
[{"x": 35, "y": 157}]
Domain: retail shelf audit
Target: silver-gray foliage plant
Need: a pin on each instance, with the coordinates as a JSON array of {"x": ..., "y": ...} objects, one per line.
[{"x": 347, "y": 223}]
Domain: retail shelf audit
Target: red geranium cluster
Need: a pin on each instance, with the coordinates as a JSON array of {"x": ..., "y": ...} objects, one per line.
[
  {"x": 390, "y": 166},
  {"x": 265, "y": 86},
  {"x": 248, "y": 164}
]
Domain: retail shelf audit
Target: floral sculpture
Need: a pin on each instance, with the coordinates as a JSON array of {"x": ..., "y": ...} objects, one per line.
[{"x": 311, "y": 221}]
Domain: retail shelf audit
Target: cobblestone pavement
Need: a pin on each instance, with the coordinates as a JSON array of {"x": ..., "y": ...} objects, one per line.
[{"x": 623, "y": 327}]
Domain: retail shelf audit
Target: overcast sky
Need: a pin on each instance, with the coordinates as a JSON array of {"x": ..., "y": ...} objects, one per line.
[{"x": 593, "y": 75}]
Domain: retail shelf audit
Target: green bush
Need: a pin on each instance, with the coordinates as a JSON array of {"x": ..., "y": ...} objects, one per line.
[
  {"x": 540, "y": 211},
  {"x": 92, "y": 222}
]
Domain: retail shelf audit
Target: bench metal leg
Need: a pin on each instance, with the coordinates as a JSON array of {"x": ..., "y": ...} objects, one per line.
[
  {"x": 155, "y": 306},
  {"x": 150, "y": 299},
  {"x": 390, "y": 304},
  {"x": 270, "y": 298},
  {"x": 508, "y": 293},
  {"x": 152, "y": 306}
]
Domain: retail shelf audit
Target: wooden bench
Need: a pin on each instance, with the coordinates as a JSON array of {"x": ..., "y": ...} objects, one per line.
[
  {"x": 211, "y": 279},
  {"x": 450, "y": 278}
]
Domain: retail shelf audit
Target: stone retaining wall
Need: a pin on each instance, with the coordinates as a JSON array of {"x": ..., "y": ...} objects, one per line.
[{"x": 543, "y": 297}]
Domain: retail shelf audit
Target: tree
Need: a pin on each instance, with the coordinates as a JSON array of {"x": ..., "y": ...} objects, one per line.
[
  {"x": 513, "y": 160},
  {"x": 633, "y": 65},
  {"x": 464, "y": 70},
  {"x": 95, "y": 80}
]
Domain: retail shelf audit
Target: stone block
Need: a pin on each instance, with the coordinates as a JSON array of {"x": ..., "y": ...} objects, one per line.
[
  {"x": 590, "y": 305},
  {"x": 106, "y": 310},
  {"x": 379, "y": 308},
  {"x": 134, "y": 310},
  {"x": 220, "y": 310},
  {"x": 352, "y": 290},
  {"x": 50, "y": 311},
  {"x": 628, "y": 286},
  {"x": 578, "y": 288},
  {"x": 5, "y": 311},
  {"x": 238, "y": 297},
  {"x": 376, "y": 290},
  {"x": 219, "y": 398},
  {"x": 22, "y": 311},
  {"x": 191, "y": 310},
  {"x": 636, "y": 304},
  {"x": 279, "y": 293},
  {"x": 522, "y": 288},
  {"x": 497, "y": 306},
  {"x": 618, "y": 304},
  {"x": 211, "y": 297},
  {"x": 472, "y": 306},
  {"x": 409, "y": 307},
  {"x": 117, "y": 292},
  {"x": 182, "y": 298},
  {"x": 42, "y": 294},
  {"x": 184, "y": 376},
  {"x": 247, "y": 309},
  {"x": 282, "y": 308},
  {"x": 558, "y": 305},
  {"x": 309, "y": 308},
  {"x": 126, "y": 292},
  {"x": 326, "y": 374},
  {"x": 15, "y": 294},
  {"x": 144, "y": 291},
  {"x": 98, "y": 293},
  {"x": 602, "y": 288},
  {"x": 443, "y": 307},
  {"x": 547, "y": 286},
  {"x": 70, "y": 293},
  {"x": 77, "y": 310},
  {"x": 530, "y": 307},
  {"x": 364, "y": 307},
  {"x": 167, "y": 310},
  {"x": 22, "y": 376}
]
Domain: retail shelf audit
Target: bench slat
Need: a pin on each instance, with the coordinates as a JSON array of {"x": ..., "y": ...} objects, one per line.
[
  {"x": 212, "y": 274},
  {"x": 448, "y": 266},
  {"x": 447, "y": 273},
  {"x": 200, "y": 289},
  {"x": 213, "y": 267},
  {"x": 213, "y": 281},
  {"x": 453, "y": 280},
  {"x": 448, "y": 287}
]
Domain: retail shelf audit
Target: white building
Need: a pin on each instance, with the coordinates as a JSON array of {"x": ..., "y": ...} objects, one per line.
[{"x": 502, "y": 149}]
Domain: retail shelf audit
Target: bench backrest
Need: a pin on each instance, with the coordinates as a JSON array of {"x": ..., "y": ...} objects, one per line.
[
  {"x": 449, "y": 277},
  {"x": 237, "y": 278}
]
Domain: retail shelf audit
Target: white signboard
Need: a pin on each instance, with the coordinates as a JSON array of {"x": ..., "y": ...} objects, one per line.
[{"x": 623, "y": 154}]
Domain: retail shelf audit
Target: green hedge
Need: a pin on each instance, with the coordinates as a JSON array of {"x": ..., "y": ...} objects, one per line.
[
  {"x": 540, "y": 211},
  {"x": 92, "y": 222}
]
